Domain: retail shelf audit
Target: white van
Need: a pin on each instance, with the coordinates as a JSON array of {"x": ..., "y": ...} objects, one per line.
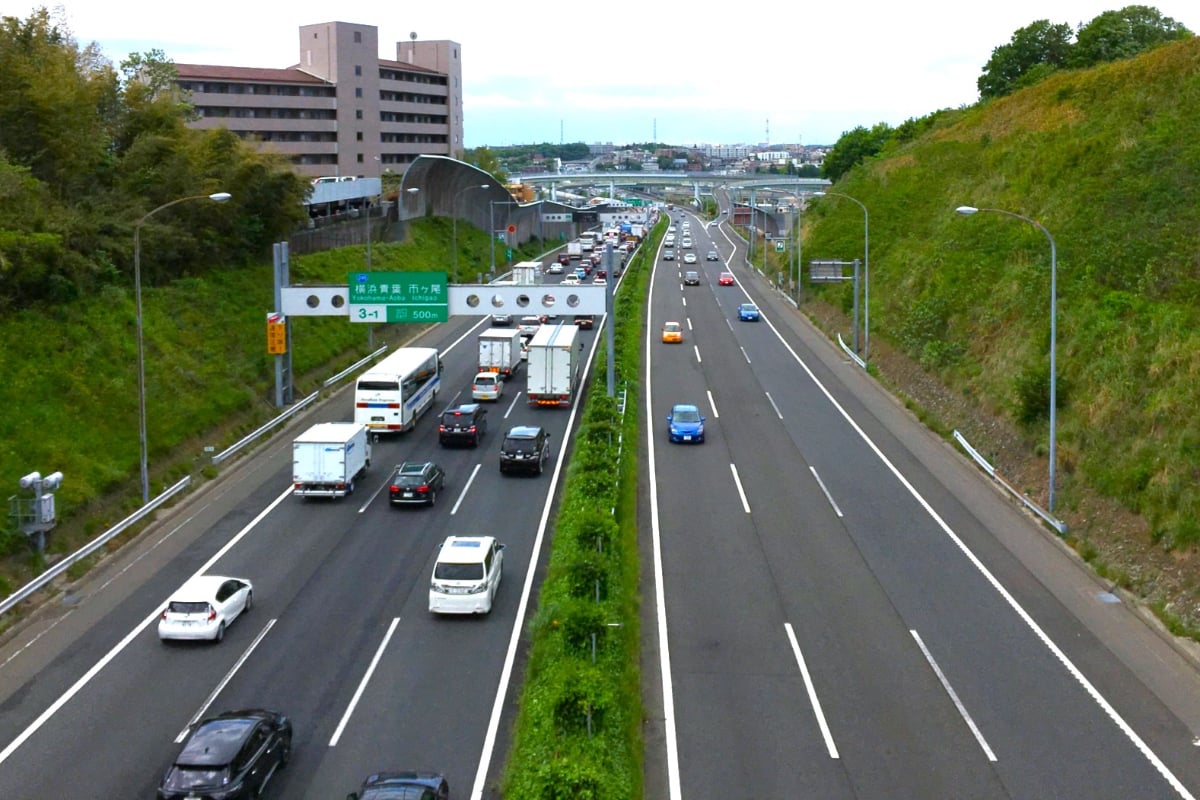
[
  {"x": 466, "y": 575},
  {"x": 487, "y": 386}
]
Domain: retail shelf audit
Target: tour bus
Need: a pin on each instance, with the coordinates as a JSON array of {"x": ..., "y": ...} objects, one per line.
[{"x": 391, "y": 395}]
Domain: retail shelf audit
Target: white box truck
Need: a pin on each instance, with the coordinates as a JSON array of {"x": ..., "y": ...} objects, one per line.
[
  {"x": 328, "y": 457},
  {"x": 552, "y": 365},
  {"x": 500, "y": 350},
  {"x": 527, "y": 273}
]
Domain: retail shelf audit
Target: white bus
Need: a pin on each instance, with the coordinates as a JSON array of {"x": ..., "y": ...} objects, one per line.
[{"x": 391, "y": 395}]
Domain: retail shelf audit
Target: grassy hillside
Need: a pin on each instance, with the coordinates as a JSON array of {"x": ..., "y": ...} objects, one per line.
[
  {"x": 1108, "y": 160},
  {"x": 69, "y": 392}
]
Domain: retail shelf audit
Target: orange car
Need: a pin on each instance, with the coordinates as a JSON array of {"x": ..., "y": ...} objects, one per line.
[{"x": 672, "y": 333}]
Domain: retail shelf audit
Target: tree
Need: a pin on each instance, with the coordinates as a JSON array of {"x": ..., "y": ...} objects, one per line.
[
  {"x": 487, "y": 161},
  {"x": 1121, "y": 34},
  {"x": 855, "y": 147},
  {"x": 1039, "y": 45}
]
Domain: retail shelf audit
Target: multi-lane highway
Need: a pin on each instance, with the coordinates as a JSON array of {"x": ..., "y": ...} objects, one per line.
[
  {"x": 841, "y": 612},
  {"x": 340, "y": 637},
  {"x": 837, "y": 606}
]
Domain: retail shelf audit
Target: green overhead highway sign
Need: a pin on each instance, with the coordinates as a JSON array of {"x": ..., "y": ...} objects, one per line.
[{"x": 398, "y": 297}]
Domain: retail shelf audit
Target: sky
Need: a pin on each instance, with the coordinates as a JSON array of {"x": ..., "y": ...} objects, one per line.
[{"x": 681, "y": 73}]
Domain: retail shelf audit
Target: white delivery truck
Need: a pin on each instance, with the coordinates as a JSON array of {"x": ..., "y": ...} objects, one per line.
[
  {"x": 328, "y": 457},
  {"x": 575, "y": 250},
  {"x": 552, "y": 365},
  {"x": 527, "y": 273},
  {"x": 500, "y": 350}
]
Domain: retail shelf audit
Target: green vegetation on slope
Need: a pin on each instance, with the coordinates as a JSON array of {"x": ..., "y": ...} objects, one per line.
[{"x": 1108, "y": 160}]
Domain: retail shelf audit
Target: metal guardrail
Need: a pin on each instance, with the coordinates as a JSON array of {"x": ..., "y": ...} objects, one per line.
[
  {"x": 91, "y": 547},
  {"x": 850, "y": 352},
  {"x": 240, "y": 443},
  {"x": 1053, "y": 522},
  {"x": 330, "y": 381}
]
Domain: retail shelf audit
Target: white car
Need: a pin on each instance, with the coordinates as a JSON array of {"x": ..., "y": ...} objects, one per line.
[
  {"x": 466, "y": 575},
  {"x": 555, "y": 269},
  {"x": 571, "y": 280},
  {"x": 487, "y": 386},
  {"x": 689, "y": 258},
  {"x": 204, "y": 606},
  {"x": 529, "y": 326}
]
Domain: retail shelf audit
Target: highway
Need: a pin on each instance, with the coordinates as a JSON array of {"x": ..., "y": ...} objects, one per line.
[
  {"x": 841, "y": 613},
  {"x": 339, "y": 638}
]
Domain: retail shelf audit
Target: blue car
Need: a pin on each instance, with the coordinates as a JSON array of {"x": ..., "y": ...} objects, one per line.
[
  {"x": 685, "y": 424},
  {"x": 748, "y": 312}
]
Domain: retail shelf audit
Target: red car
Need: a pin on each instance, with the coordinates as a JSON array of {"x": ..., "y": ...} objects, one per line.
[
  {"x": 564, "y": 259},
  {"x": 725, "y": 279}
]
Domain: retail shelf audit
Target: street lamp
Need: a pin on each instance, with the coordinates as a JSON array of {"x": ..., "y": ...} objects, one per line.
[
  {"x": 967, "y": 211},
  {"x": 218, "y": 197},
  {"x": 866, "y": 271},
  {"x": 454, "y": 217}
]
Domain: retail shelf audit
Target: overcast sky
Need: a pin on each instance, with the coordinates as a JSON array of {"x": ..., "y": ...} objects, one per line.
[{"x": 682, "y": 73}]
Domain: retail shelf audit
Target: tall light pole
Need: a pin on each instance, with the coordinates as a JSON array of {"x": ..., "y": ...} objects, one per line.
[
  {"x": 968, "y": 211},
  {"x": 866, "y": 271},
  {"x": 454, "y": 217},
  {"x": 218, "y": 197}
]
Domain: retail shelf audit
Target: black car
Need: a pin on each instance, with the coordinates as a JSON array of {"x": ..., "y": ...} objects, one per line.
[
  {"x": 585, "y": 321},
  {"x": 526, "y": 447},
  {"x": 416, "y": 482},
  {"x": 231, "y": 756},
  {"x": 463, "y": 424},
  {"x": 691, "y": 278},
  {"x": 402, "y": 786}
]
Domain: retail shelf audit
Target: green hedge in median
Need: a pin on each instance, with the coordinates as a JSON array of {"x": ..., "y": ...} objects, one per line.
[{"x": 578, "y": 734}]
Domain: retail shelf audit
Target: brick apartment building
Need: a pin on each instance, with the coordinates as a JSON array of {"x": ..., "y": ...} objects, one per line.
[{"x": 342, "y": 110}]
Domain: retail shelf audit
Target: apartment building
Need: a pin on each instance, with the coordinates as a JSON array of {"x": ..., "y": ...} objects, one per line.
[{"x": 341, "y": 110}]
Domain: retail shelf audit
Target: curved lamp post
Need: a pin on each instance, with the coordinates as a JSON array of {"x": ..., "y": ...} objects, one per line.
[
  {"x": 454, "y": 217},
  {"x": 968, "y": 211},
  {"x": 866, "y": 270},
  {"x": 218, "y": 197}
]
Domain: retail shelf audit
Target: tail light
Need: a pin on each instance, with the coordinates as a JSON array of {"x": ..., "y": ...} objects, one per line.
[
  {"x": 394, "y": 489},
  {"x": 212, "y": 613},
  {"x": 423, "y": 489},
  {"x": 471, "y": 429},
  {"x": 441, "y": 428}
]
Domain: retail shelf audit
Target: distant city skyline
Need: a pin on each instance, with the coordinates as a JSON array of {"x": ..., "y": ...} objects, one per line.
[{"x": 548, "y": 73}]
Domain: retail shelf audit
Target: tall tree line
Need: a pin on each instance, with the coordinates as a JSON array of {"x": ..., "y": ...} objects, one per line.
[{"x": 88, "y": 148}]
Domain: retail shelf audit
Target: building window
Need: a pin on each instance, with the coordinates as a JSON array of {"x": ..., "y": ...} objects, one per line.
[
  {"x": 358, "y": 91},
  {"x": 358, "y": 37},
  {"x": 358, "y": 69},
  {"x": 358, "y": 113},
  {"x": 360, "y": 158},
  {"x": 358, "y": 136}
]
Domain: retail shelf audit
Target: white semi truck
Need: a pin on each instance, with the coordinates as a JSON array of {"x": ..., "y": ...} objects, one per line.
[
  {"x": 328, "y": 457},
  {"x": 552, "y": 366}
]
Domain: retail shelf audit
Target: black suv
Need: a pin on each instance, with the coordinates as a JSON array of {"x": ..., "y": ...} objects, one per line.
[
  {"x": 526, "y": 447},
  {"x": 463, "y": 424},
  {"x": 231, "y": 756},
  {"x": 416, "y": 482}
]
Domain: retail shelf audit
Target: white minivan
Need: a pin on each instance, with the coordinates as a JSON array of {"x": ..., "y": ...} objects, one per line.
[
  {"x": 466, "y": 575},
  {"x": 487, "y": 386}
]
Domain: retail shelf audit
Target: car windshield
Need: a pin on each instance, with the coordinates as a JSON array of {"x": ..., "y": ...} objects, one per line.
[
  {"x": 410, "y": 481},
  {"x": 686, "y": 415},
  {"x": 458, "y": 572},
  {"x": 182, "y": 607},
  {"x": 485, "y": 380}
]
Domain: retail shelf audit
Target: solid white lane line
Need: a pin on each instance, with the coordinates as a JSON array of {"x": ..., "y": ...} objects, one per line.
[
  {"x": 674, "y": 790},
  {"x": 741, "y": 492},
  {"x": 812, "y": 692},
  {"x": 466, "y": 486},
  {"x": 208, "y": 701},
  {"x": 362, "y": 685},
  {"x": 962, "y": 710},
  {"x": 771, "y": 400},
  {"x": 713, "y": 405},
  {"x": 45, "y": 716},
  {"x": 516, "y": 635},
  {"x": 828, "y": 496}
]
